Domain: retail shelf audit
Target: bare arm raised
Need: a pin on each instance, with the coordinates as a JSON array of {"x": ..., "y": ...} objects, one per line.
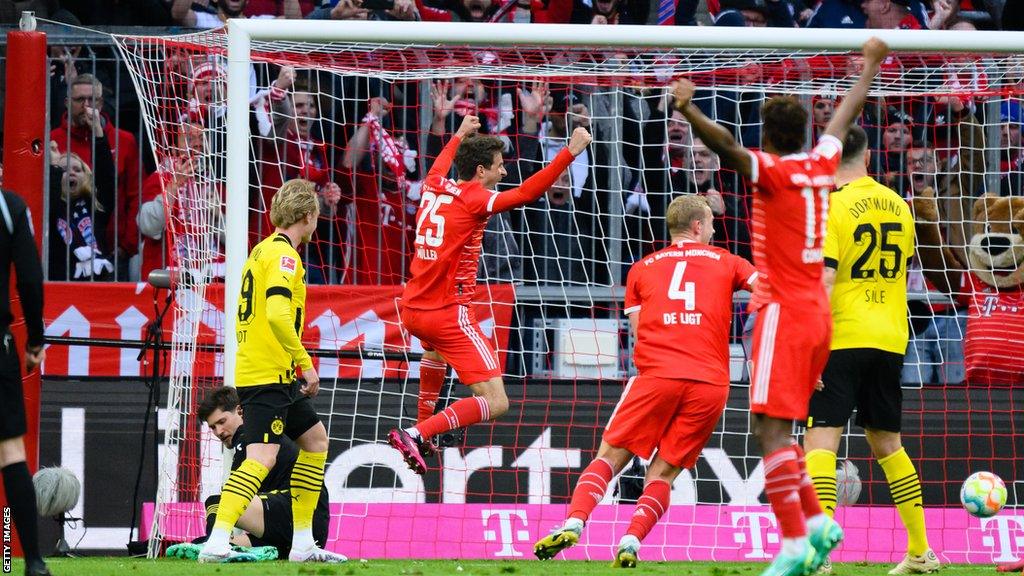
[
  {"x": 714, "y": 136},
  {"x": 875, "y": 51}
]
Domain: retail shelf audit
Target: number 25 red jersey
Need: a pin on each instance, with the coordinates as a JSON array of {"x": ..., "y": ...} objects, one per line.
[
  {"x": 790, "y": 211},
  {"x": 683, "y": 294}
]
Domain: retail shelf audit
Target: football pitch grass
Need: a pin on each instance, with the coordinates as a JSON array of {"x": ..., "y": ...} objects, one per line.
[{"x": 174, "y": 567}]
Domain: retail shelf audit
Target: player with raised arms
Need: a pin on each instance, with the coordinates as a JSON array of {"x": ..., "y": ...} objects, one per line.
[
  {"x": 679, "y": 302},
  {"x": 869, "y": 243},
  {"x": 437, "y": 301},
  {"x": 275, "y": 403},
  {"x": 794, "y": 324}
]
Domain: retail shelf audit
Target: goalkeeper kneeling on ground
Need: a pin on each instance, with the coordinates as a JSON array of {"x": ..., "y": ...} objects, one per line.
[{"x": 267, "y": 521}]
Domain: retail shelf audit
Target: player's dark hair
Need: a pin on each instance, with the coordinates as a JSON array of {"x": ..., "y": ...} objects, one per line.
[
  {"x": 854, "y": 145},
  {"x": 476, "y": 151},
  {"x": 224, "y": 398},
  {"x": 785, "y": 124}
]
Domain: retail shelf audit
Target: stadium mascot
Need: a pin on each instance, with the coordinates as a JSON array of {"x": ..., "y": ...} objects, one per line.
[{"x": 988, "y": 275}]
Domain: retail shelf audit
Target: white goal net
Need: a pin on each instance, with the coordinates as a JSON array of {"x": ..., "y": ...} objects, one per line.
[{"x": 364, "y": 120}]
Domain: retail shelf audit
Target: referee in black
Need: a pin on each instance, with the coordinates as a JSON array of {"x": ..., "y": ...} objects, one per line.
[{"x": 18, "y": 246}]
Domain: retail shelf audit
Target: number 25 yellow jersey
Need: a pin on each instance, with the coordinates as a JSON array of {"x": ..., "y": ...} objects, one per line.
[{"x": 869, "y": 240}]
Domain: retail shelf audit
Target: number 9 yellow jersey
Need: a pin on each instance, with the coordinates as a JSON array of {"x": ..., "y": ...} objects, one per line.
[
  {"x": 869, "y": 241},
  {"x": 270, "y": 321}
]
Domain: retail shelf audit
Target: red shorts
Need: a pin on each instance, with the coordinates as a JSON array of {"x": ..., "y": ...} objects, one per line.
[
  {"x": 453, "y": 333},
  {"x": 673, "y": 415},
  {"x": 790, "y": 351}
]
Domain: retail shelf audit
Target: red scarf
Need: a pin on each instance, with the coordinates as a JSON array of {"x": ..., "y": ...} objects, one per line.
[{"x": 390, "y": 153}]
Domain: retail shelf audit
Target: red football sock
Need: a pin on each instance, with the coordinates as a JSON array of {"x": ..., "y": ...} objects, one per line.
[
  {"x": 782, "y": 486},
  {"x": 590, "y": 488},
  {"x": 808, "y": 496},
  {"x": 431, "y": 378},
  {"x": 649, "y": 508},
  {"x": 462, "y": 413}
]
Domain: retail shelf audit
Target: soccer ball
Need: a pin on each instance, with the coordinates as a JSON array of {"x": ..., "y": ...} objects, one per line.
[
  {"x": 848, "y": 484},
  {"x": 57, "y": 491},
  {"x": 983, "y": 494}
]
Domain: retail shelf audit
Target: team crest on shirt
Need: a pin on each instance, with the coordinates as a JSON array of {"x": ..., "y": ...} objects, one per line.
[
  {"x": 277, "y": 426},
  {"x": 288, "y": 264}
]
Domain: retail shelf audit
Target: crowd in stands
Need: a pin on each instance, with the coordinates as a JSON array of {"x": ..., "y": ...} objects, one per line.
[{"x": 366, "y": 142}]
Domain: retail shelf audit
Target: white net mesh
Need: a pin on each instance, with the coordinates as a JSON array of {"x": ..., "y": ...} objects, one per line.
[{"x": 365, "y": 121}]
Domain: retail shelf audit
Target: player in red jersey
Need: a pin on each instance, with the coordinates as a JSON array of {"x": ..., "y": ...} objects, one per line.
[
  {"x": 794, "y": 325},
  {"x": 436, "y": 301},
  {"x": 679, "y": 302}
]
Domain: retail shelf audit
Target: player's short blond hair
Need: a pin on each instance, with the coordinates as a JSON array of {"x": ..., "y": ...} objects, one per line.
[
  {"x": 683, "y": 210},
  {"x": 292, "y": 202}
]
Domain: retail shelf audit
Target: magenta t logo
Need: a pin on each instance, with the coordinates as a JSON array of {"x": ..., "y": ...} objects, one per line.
[
  {"x": 506, "y": 534},
  {"x": 755, "y": 529},
  {"x": 1006, "y": 538}
]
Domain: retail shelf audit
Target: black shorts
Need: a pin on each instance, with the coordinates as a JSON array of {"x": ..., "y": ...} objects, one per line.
[
  {"x": 275, "y": 410},
  {"x": 278, "y": 523},
  {"x": 12, "y": 398},
  {"x": 867, "y": 379}
]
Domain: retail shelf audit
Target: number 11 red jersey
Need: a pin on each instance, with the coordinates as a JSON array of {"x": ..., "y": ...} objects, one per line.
[
  {"x": 683, "y": 294},
  {"x": 790, "y": 210}
]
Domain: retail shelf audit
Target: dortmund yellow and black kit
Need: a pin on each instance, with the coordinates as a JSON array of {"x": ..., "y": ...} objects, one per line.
[
  {"x": 869, "y": 240},
  {"x": 269, "y": 333}
]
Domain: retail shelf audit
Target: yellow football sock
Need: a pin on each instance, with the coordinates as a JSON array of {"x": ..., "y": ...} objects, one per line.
[
  {"x": 821, "y": 467},
  {"x": 239, "y": 490},
  {"x": 906, "y": 494},
  {"x": 307, "y": 479}
]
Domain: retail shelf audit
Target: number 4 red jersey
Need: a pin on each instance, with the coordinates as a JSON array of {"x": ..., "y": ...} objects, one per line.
[
  {"x": 790, "y": 210},
  {"x": 683, "y": 294}
]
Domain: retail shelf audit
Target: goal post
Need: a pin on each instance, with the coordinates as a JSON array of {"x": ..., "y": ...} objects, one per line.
[
  {"x": 552, "y": 273},
  {"x": 242, "y": 32}
]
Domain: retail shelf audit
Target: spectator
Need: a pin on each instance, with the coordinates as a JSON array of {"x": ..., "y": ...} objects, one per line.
[
  {"x": 730, "y": 208},
  {"x": 78, "y": 215},
  {"x": 298, "y": 150},
  {"x": 554, "y": 248},
  {"x": 890, "y": 14},
  {"x": 458, "y": 10},
  {"x": 376, "y": 164},
  {"x": 81, "y": 127},
  {"x": 180, "y": 187},
  {"x": 184, "y": 13},
  {"x": 945, "y": 13},
  {"x": 889, "y": 161},
  {"x": 278, "y": 8},
  {"x": 63, "y": 71},
  {"x": 923, "y": 167},
  {"x": 935, "y": 353},
  {"x": 375, "y": 10},
  {"x": 838, "y": 14},
  {"x": 611, "y": 12},
  {"x": 822, "y": 108},
  {"x": 756, "y": 13},
  {"x": 1011, "y": 160},
  {"x": 340, "y": 10}
]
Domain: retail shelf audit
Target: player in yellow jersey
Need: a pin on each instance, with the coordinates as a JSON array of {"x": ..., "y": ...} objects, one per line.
[
  {"x": 869, "y": 240},
  {"x": 275, "y": 403}
]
